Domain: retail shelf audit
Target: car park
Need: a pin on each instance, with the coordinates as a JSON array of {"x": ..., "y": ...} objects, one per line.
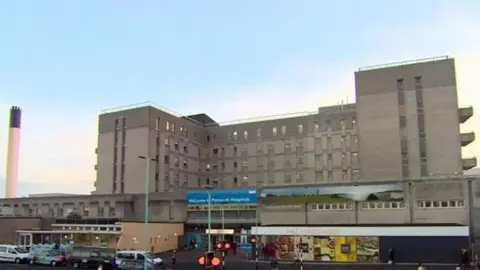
[
  {"x": 12, "y": 253},
  {"x": 92, "y": 257}
]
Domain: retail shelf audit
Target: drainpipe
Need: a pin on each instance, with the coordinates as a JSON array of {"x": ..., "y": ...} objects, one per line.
[
  {"x": 411, "y": 203},
  {"x": 471, "y": 224},
  {"x": 305, "y": 205}
]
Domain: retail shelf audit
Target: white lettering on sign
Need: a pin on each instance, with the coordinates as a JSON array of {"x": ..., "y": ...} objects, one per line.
[{"x": 312, "y": 231}]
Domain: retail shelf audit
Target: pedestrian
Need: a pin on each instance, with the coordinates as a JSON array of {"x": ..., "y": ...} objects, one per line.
[
  {"x": 421, "y": 267},
  {"x": 391, "y": 255},
  {"x": 234, "y": 247},
  {"x": 465, "y": 258},
  {"x": 274, "y": 264},
  {"x": 174, "y": 257}
]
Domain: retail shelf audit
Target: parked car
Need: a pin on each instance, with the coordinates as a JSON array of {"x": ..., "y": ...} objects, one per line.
[
  {"x": 47, "y": 257},
  {"x": 137, "y": 255},
  {"x": 138, "y": 265},
  {"x": 11, "y": 253},
  {"x": 91, "y": 257}
]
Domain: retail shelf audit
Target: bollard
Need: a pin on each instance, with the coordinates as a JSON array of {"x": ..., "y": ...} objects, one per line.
[
  {"x": 256, "y": 258},
  {"x": 223, "y": 259}
]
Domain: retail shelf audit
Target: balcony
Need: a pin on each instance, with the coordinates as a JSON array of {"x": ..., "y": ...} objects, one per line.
[
  {"x": 469, "y": 163},
  {"x": 464, "y": 114},
  {"x": 467, "y": 138}
]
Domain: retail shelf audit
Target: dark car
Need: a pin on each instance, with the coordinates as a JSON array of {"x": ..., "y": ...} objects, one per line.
[
  {"x": 86, "y": 257},
  {"x": 138, "y": 265}
]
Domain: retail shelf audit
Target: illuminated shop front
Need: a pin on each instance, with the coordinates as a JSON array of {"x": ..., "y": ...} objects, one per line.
[{"x": 412, "y": 244}]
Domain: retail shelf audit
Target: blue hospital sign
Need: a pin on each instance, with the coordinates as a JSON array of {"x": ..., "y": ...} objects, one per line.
[{"x": 231, "y": 196}]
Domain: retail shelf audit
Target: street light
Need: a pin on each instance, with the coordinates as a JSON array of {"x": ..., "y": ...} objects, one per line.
[
  {"x": 147, "y": 191},
  {"x": 209, "y": 188},
  {"x": 256, "y": 234}
]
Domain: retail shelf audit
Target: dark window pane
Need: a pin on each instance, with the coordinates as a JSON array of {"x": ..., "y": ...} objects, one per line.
[{"x": 403, "y": 121}]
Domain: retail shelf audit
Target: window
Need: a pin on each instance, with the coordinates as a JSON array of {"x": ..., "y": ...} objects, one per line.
[
  {"x": 245, "y": 134},
  {"x": 316, "y": 127},
  {"x": 284, "y": 130},
  {"x": 167, "y": 126},
  {"x": 288, "y": 178},
  {"x": 235, "y": 135},
  {"x": 423, "y": 169},
  {"x": 418, "y": 82},
  {"x": 403, "y": 121},
  {"x": 259, "y": 148},
  {"x": 331, "y": 206},
  {"x": 440, "y": 204},
  {"x": 299, "y": 160},
  {"x": 300, "y": 129},
  {"x": 382, "y": 205},
  {"x": 299, "y": 177},
  {"x": 259, "y": 132},
  {"x": 423, "y": 147},
  {"x": 274, "y": 131},
  {"x": 172, "y": 127},
  {"x": 157, "y": 123}
]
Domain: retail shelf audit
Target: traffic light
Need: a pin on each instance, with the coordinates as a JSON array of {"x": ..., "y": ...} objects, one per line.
[
  {"x": 208, "y": 260},
  {"x": 223, "y": 246}
]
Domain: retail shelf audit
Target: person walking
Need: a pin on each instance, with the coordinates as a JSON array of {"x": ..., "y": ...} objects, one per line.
[{"x": 391, "y": 256}]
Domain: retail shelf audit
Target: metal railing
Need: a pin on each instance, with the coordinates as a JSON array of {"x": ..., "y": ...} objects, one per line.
[{"x": 404, "y": 63}]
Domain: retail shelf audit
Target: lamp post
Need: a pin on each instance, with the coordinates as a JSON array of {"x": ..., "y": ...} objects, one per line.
[
  {"x": 256, "y": 236},
  {"x": 223, "y": 221},
  {"x": 147, "y": 191},
  {"x": 209, "y": 188}
]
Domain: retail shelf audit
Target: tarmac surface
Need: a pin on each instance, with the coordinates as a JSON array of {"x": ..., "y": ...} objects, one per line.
[
  {"x": 188, "y": 261},
  {"x": 261, "y": 266}
]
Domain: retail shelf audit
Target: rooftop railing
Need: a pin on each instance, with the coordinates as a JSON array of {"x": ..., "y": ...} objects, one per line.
[{"x": 404, "y": 63}]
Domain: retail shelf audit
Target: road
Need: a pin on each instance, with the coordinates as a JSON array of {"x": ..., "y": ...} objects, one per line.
[{"x": 238, "y": 265}]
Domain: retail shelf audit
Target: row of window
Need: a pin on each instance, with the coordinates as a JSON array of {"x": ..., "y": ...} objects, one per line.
[
  {"x": 283, "y": 129},
  {"x": 171, "y": 127},
  {"x": 441, "y": 204},
  {"x": 422, "y": 148},
  {"x": 389, "y": 205}
]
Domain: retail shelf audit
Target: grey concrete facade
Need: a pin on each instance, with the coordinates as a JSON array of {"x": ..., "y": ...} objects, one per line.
[
  {"x": 405, "y": 124},
  {"x": 404, "y": 127}
]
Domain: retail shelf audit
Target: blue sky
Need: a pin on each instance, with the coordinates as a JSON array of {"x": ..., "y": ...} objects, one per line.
[{"x": 64, "y": 61}]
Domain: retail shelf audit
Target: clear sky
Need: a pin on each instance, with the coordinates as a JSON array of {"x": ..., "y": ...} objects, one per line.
[{"x": 64, "y": 61}]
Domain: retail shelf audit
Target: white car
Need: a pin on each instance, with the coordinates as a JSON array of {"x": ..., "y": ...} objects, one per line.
[
  {"x": 12, "y": 253},
  {"x": 137, "y": 255}
]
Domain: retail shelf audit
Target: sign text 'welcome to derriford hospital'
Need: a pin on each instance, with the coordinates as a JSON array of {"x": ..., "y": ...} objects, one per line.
[{"x": 232, "y": 196}]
